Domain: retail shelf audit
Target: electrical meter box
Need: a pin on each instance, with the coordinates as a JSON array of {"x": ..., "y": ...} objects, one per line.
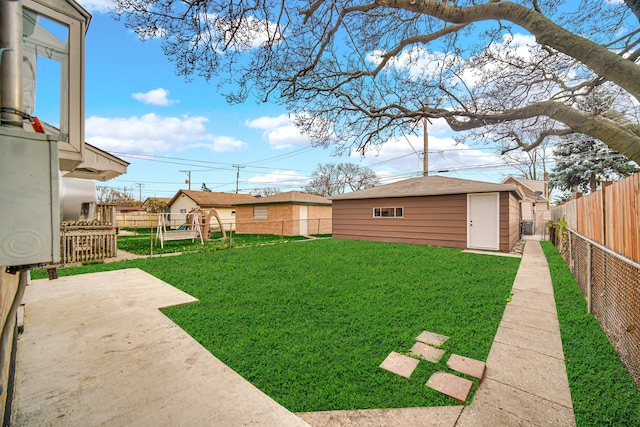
[{"x": 29, "y": 198}]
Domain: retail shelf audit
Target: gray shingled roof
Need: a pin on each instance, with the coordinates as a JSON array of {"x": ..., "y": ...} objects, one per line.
[
  {"x": 295, "y": 197},
  {"x": 428, "y": 186}
]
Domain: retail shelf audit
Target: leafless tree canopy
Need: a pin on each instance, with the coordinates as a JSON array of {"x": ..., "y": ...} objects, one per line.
[
  {"x": 330, "y": 179},
  {"x": 356, "y": 72}
]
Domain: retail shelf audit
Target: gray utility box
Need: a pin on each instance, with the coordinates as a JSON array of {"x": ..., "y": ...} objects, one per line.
[{"x": 29, "y": 198}]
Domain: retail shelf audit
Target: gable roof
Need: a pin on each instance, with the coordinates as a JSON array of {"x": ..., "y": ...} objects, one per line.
[
  {"x": 429, "y": 186},
  {"x": 156, "y": 199},
  {"x": 212, "y": 199},
  {"x": 290, "y": 197},
  {"x": 529, "y": 186}
]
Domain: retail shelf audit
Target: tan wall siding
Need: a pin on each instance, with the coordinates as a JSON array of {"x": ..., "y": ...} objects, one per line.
[
  {"x": 284, "y": 220},
  {"x": 8, "y": 289},
  {"x": 509, "y": 221},
  {"x": 319, "y": 219},
  {"x": 434, "y": 220},
  {"x": 527, "y": 210},
  {"x": 227, "y": 214},
  {"x": 182, "y": 202}
]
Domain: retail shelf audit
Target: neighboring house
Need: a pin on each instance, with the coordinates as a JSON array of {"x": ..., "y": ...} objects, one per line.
[
  {"x": 432, "y": 210},
  {"x": 130, "y": 209},
  {"x": 534, "y": 207},
  {"x": 186, "y": 200},
  {"x": 287, "y": 214},
  {"x": 154, "y": 202}
]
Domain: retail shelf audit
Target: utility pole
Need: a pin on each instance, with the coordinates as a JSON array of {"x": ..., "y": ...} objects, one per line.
[
  {"x": 238, "y": 167},
  {"x": 425, "y": 160},
  {"x": 140, "y": 185},
  {"x": 189, "y": 177}
]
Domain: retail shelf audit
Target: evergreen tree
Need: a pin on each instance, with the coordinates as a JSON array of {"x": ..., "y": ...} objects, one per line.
[{"x": 583, "y": 163}]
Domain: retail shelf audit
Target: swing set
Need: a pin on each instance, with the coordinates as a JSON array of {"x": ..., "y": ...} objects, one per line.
[{"x": 197, "y": 225}]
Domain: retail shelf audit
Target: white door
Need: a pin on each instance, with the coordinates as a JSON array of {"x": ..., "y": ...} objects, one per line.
[
  {"x": 304, "y": 226},
  {"x": 483, "y": 225}
]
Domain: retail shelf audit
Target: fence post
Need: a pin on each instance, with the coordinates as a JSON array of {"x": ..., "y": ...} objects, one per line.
[
  {"x": 63, "y": 258},
  {"x": 570, "y": 251},
  {"x": 589, "y": 254}
]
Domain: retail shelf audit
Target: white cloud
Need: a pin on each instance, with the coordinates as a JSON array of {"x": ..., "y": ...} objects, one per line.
[
  {"x": 97, "y": 6},
  {"x": 417, "y": 61},
  {"x": 512, "y": 46},
  {"x": 279, "y": 178},
  {"x": 152, "y": 133},
  {"x": 154, "y": 97},
  {"x": 279, "y": 131},
  {"x": 397, "y": 155}
]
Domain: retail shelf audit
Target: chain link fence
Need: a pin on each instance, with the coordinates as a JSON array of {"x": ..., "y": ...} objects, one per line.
[
  {"x": 611, "y": 285},
  {"x": 88, "y": 243}
]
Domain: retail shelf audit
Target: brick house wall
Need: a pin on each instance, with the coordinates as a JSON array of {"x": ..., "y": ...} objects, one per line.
[{"x": 283, "y": 219}]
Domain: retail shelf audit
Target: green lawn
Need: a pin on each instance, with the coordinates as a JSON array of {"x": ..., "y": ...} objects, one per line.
[
  {"x": 141, "y": 243},
  {"x": 602, "y": 390},
  {"x": 309, "y": 323}
]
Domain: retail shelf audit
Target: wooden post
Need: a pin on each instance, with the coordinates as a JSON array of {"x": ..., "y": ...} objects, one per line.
[{"x": 589, "y": 253}]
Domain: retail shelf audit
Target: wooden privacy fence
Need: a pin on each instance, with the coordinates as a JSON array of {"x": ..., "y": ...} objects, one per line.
[
  {"x": 601, "y": 245},
  {"x": 608, "y": 217},
  {"x": 136, "y": 220}
]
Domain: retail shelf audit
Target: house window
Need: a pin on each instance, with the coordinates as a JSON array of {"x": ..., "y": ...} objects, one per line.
[
  {"x": 183, "y": 211},
  {"x": 259, "y": 212},
  {"x": 388, "y": 212},
  {"x": 53, "y": 67}
]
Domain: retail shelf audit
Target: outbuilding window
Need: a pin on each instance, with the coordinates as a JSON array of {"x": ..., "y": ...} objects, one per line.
[
  {"x": 259, "y": 212},
  {"x": 388, "y": 212}
]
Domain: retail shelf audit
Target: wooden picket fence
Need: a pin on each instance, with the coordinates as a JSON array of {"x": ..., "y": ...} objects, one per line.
[{"x": 90, "y": 241}]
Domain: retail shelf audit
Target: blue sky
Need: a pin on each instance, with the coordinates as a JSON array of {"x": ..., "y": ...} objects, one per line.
[{"x": 139, "y": 110}]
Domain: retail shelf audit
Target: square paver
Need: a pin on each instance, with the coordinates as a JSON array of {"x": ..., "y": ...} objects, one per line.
[
  {"x": 427, "y": 352},
  {"x": 431, "y": 338},
  {"x": 466, "y": 365},
  {"x": 451, "y": 385},
  {"x": 400, "y": 364}
]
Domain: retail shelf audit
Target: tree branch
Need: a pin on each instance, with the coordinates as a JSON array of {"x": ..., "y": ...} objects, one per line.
[{"x": 599, "y": 59}]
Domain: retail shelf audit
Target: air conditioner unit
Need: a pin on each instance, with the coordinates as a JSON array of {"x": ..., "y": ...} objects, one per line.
[{"x": 29, "y": 198}]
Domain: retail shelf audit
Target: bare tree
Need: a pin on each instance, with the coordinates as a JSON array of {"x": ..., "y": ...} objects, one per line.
[
  {"x": 264, "y": 192},
  {"x": 114, "y": 196},
  {"x": 330, "y": 179},
  {"x": 357, "y": 72}
]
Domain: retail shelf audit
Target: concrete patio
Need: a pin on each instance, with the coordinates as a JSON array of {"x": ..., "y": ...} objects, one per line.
[{"x": 96, "y": 350}]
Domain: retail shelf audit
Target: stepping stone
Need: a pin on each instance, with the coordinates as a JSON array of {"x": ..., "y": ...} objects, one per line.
[
  {"x": 451, "y": 385},
  {"x": 427, "y": 352},
  {"x": 466, "y": 365},
  {"x": 400, "y": 364},
  {"x": 431, "y": 338}
]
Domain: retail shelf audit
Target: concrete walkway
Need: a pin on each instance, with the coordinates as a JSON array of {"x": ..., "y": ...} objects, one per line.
[
  {"x": 96, "y": 351},
  {"x": 526, "y": 380}
]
